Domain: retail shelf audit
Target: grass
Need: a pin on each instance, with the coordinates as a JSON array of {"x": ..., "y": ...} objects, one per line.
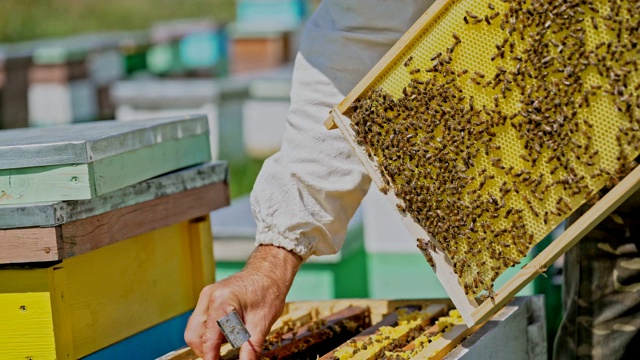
[
  {"x": 33, "y": 19},
  {"x": 242, "y": 175}
]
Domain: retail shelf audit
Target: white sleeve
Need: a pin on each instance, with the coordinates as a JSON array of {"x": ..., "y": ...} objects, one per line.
[{"x": 306, "y": 193}]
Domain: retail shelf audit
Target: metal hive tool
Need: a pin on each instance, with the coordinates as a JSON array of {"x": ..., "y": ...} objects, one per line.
[{"x": 488, "y": 124}]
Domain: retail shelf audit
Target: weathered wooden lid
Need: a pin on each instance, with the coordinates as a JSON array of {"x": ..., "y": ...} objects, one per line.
[{"x": 89, "y": 142}]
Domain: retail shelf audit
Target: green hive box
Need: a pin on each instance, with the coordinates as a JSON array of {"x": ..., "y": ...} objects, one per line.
[{"x": 83, "y": 161}]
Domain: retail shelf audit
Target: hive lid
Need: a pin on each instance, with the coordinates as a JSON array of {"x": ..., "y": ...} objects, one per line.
[
  {"x": 89, "y": 142},
  {"x": 47, "y": 214},
  {"x": 177, "y": 92}
]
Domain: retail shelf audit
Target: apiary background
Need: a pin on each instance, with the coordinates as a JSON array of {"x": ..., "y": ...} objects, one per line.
[{"x": 522, "y": 110}]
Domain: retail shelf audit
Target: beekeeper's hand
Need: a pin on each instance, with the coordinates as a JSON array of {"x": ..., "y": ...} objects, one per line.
[{"x": 257, "y": 293}]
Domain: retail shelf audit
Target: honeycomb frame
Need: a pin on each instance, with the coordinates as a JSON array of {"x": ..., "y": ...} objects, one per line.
[{"x": 409, "y": 59}]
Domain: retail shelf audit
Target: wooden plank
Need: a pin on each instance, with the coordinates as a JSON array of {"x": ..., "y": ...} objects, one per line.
[
  {"x": 85, "y": 235},
  {"x": 131, "y": 167},
  {"x": 82, "y": 236},
  {"x": 30, "y": 245},
  {"x": 62, "y": 327},
  {"x": 581, "y": 227},
  {"x": 45, "y": 183},
  {"x": 55, "y": 213},
  {"x": 118, "y": 290},
  {"x": 201, "y": 249},
  {"x": 26, "y": 329},
  {"x": 439, "y": 260}
]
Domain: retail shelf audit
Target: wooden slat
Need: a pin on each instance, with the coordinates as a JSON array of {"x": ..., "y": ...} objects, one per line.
[
  {"x": 82, "y": 236},
  {"x": 88, "y": 234},
  {"x": 45, "y": 183},
  {"x": 30, "y": 245},
  {"x": 124, "y": 169}
]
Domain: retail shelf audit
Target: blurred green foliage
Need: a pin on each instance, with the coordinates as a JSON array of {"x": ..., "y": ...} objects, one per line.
[
  {"x": 31, "y": 19},
  {"x": 242, "y": 175}
]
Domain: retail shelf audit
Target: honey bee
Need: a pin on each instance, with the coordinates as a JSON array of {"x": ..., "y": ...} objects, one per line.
[{"x": 408, "y": 61}]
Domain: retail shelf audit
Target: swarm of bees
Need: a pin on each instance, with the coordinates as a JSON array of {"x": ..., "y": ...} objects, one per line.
[{"x": 488, "y": 179}]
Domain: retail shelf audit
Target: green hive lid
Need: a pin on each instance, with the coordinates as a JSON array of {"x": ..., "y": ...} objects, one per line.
[
  {"x": 88, "y": 142},
  {"x": 48, "y": 214}
]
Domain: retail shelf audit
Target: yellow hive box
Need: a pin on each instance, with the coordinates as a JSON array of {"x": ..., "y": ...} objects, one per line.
[
  {"x": 488, "y": 124},
  {"x": 84, "y": 303}
]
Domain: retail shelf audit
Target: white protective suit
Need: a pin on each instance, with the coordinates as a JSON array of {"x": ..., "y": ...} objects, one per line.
[{"x": 306, "y": 194}]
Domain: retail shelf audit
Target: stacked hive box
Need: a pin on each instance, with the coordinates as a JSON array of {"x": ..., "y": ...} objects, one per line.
[
  {"x": 264, "y": 112},
  {"x": 14, "y": 66},
  {"x": 60, "y": 90},
  {"x": 147, "y": 98},
  {"x": 105, "y": 232},
  {"x": 264, "y": 35},
  {"x": 186, "y": 47}
]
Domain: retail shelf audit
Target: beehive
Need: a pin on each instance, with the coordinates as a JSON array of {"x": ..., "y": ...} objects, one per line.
[
  {"x": 488, "y": 124},
  {"x": 402, "y": 329}
]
